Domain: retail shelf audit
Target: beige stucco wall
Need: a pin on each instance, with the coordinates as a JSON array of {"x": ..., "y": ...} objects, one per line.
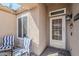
[
  {"x": 42, "y": 27},
  {"x": 55, "y": 6},
  {"x": 74, "y": 39},
  {"x": 34, "y": 29},
  {"x": 7, "y": 24},
  {"x": 38, "y": 25}
]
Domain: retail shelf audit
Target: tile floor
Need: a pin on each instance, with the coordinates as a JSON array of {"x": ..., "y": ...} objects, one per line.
[{"x": 51, "y": 51}]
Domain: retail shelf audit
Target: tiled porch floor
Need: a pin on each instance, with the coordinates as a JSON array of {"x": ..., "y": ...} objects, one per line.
[{"x": 50, "y": 51}]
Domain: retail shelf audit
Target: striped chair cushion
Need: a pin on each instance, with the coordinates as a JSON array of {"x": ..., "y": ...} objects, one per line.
[
  {"x": 27, "y": 45},
  {"x": 25, "y": 49},
  {"x": 4, "y": 41},
  {"x": 8, "y": 42},
  {"x": 12, "y": 40}
]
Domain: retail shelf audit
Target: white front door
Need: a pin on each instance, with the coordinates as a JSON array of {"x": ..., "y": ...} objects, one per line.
[{"x": 58, "y": 32}]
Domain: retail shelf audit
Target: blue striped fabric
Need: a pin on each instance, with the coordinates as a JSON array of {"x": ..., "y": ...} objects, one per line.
[
  {"x": 27, "y": 45},
  {"x": 26, "y": 49},
  {"x": 4, "y": 41},
  {"x": 4, "y": 44},
  {"x": 8, "y": 42}
]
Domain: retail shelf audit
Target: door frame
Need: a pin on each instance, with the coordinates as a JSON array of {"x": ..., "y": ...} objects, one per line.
[{"x": 55, "y": 42}]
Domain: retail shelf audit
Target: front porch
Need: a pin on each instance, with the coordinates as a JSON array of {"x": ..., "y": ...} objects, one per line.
[{"x": 47, "y": 25}]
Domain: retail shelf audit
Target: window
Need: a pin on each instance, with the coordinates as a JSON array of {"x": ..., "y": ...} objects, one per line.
[
  {"x": 57, "y": 12},
  {"x": 19, "y": 27},
  {"x": 22, "y": 27}
]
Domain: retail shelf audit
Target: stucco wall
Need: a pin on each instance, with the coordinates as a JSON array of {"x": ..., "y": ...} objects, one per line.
[
  {"x": 42, "y": 28},
  {"x": 74, "y": 41},
  {"x": 34, "y": 29},
  {"x": 55, "y": 6},
  {"x": 7, "y": 24},
  {"x": 39, "y": 20}
]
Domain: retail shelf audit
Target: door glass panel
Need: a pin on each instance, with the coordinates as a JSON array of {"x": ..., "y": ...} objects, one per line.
[
  {"x": 24, "y": 26},
  {"x": 57, "y": 29},
  {"x": 19, "y": 27}
]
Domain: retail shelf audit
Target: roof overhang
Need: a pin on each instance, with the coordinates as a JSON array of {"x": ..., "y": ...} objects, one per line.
[{"x": 24, "y": 7}]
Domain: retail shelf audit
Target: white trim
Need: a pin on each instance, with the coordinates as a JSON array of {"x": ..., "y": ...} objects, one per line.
[
  {"x": 56, "y": 11},
  {"x": 59, "y": 43},
  {"x": 21, "y": 16},
  {"x": 17, "y": 28},
  {"x": 22, "y": 26}
]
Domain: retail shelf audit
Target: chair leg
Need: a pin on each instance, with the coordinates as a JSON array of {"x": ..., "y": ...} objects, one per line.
[
  {"x": 26, "y": 54},
  {"x": 29, "y": 54}
]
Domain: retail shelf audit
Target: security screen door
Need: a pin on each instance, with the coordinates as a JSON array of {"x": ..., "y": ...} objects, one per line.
[{"x": 58, "y": 32}]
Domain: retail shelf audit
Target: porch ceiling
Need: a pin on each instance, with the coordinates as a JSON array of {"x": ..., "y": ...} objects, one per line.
[
  {"x": 24, "y": 7},
  {"x": 28, "y": 6},
  {"x": 5, "y": 9}
]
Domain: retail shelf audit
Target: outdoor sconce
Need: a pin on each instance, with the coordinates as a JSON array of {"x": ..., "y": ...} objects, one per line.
[
  {"x": 69, "y": 17},
  {"x": 71, "y": 25},
  {"x": 76, "y": 17}
]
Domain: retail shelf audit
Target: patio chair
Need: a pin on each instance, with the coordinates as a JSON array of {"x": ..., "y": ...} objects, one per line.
[
  {"x": 26, "y": 49},
  {"x": 8, "y": 43}
]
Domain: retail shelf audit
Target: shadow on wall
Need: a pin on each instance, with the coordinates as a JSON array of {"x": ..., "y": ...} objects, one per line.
[{"x": 33, "y": 30}]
